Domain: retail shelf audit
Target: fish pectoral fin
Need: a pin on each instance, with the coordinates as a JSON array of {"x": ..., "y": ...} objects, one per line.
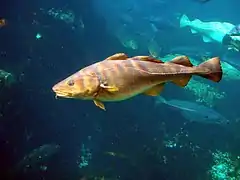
[
  {"x": 99, "y": 104},
  {"x": 109, "y": 88},
  {"x": 206, "y": 39},
  {"x": 182, "y": 82},
  {"x": 154, "y": 91},
  {"x": 181, "y": 60},
  {"x": 118, "y": 56},
  {"x": 146, "y": 58}
]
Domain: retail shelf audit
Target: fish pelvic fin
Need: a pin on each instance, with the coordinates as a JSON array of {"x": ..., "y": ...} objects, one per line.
[
  {"x": 99, "y": 104},
  {"x": 181, "y": 60},
  {"x": 154, "y": 91},
  {"x": 161, "y": 100},
  {"x": 184, "y": 21},
  {"x": 212, "y": 69}
]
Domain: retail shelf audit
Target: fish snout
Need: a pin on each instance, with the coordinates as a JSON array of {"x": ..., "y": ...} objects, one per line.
[
  {"x": 54, "y": 88},
  {"x": 59, "y": 91},
  {"x": 58, "y": 88}
]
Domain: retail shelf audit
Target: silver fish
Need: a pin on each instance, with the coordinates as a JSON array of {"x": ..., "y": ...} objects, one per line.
[{"x": 195, "y": 112}]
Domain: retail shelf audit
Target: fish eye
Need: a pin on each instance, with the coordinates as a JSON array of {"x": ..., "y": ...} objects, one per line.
[{"x": 70, "y": 82}]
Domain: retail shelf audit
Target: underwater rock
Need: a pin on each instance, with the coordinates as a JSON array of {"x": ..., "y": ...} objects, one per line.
[
  {"x": 6, "y": 78},
  {"x": 225, "y": 166},
  {"x": 37, "y": 158}
]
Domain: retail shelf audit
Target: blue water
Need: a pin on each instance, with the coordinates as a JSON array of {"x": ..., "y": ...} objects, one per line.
[{"x": 133, "y": 139}]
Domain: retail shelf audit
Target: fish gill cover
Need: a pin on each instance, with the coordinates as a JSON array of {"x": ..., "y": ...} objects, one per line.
[{"x": 166, "y": 72}]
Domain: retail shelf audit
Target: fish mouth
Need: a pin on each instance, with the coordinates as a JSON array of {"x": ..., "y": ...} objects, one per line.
[
  {"x": 62, "y": 94},
  {"x": 59, "y": 93}
]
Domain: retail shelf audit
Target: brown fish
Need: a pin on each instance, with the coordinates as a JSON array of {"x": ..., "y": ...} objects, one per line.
[{"x": 119, "y": 78}]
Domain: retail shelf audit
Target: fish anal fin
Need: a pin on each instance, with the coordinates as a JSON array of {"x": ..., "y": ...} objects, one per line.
[
  {"x": 183, "y": 81},
  {"x": 181, "y": 60},
  {"x": 109, "y": 88},
  {"x": 194, "y": 31},
  {"x": 154, "y": 91},
  {"x": 206, "y": 39},
  {"x": 146, "y": 58},
  {"x": 118, "y": 56},
  {"x": 99, "y": 104}
]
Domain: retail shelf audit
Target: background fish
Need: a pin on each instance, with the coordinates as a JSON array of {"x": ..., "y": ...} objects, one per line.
[
  {"x": 119, "y": 78},
  {"x": 210, "y": 31},
  {"x": 194, "y": 112}
]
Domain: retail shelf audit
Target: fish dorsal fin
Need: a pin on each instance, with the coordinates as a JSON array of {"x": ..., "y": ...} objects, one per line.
[
  {"x": 181, "y": 60},
  {"x": 146, "y": 58},
  {"x": 154, "y": 91},
  {"x": 118, "y": 56}
]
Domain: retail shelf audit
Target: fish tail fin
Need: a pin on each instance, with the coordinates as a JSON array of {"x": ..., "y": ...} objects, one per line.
[
  {"x": 160, "y": 100},
  {"x": 184, "y": 21},
  {"x": 212, "y": 69}
]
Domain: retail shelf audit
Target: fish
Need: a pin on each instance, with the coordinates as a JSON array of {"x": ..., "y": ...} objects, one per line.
[
  {"x": 153, "y": 48},
  {"x": 3, "y": 22},
  {"x": 119, "y": 77},
  {"x": 194, "y": 111},
  {"x": 210, "y": 31},
  {"x": 115, "y": 154}
]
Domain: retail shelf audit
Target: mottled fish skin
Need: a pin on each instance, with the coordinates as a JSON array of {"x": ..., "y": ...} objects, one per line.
[
  {"x": 132, "y": 77},
  {"x": 119, "y": 77}
]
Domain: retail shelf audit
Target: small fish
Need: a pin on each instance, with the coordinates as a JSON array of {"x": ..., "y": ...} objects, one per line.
[
  {"x": 119, "y": 77},
  {"x": 3, "y": 22},
  {"x": 115, "y": 154},
  {"x": 195, "y": 112}
]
